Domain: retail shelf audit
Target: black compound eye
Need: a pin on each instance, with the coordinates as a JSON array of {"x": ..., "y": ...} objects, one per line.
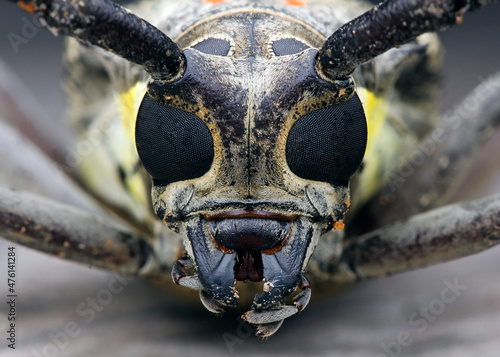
[
  {"x": 328, "y": 144},
  {"x": 173, "y": 145}
]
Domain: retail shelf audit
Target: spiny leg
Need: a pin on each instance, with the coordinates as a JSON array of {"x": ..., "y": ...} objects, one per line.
[
  {"x": 70, "y": 233},
  {"x": 429, "y": 238}
]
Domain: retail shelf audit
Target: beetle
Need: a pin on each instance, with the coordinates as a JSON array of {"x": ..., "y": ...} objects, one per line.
[{"x": 213, "y": 243}]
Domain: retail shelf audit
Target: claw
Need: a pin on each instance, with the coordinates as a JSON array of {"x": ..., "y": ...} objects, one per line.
[
  {"x": 179, "y": 269},
  {"x": 266, "y": 330},
  {"x": 180, "y": 277},
  {"x": 210, "y": 304},
  {"x": 303, "y": 298}
]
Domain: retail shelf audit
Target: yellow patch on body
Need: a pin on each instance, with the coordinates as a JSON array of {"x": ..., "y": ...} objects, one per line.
[
  {"x": 376, "y": 113},
  {"x": 128, "y": 107}
]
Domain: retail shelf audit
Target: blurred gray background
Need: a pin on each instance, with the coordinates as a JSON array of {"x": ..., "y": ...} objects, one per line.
[{"x": 144, "y": 321}]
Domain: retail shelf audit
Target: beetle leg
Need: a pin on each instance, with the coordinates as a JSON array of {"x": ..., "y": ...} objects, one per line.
[
  {"x": 70, "y": 233},
  {"x": 269, "y": 320},
  {"x": 447, "y": 152},
  {"x": 29, "y": 162},
  {"x": 433, "y": 237}
]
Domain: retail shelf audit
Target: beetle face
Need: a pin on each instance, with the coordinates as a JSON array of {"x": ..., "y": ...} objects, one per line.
[{"x": 251, "y": 156}]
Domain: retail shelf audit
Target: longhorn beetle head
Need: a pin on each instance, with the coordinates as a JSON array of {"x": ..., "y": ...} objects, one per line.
[{"x": 250, "y": 154}]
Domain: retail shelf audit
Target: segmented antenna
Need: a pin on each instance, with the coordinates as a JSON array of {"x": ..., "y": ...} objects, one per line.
[
  {"x": 113, "y": 28},
  {"x": 387, "y": 25}
]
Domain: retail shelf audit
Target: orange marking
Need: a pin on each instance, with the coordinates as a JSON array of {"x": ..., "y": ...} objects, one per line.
[
  {"x": 338, "y": 225},
  {"x": 298, "y": 3},
  {"x": 30, "y": 7},
  {"x": 348, "y": 202},
  {"x": 459, "y": 18},
  {"x": 215, "y": 2}
]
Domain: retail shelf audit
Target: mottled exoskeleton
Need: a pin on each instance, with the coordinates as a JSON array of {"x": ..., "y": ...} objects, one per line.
[{"x": 248, "y": 123}]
